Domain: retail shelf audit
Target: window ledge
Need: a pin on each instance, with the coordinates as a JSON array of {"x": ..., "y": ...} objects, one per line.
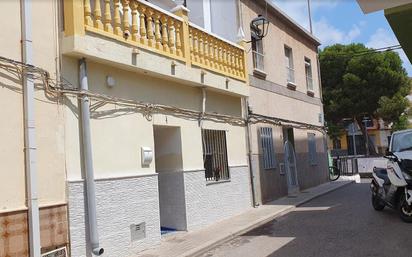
[
  {"x": 209, "y": 183},
  {"x": 291, "y": 85},
  {"x": 259, "y": 73},
  {"x": 310, "y": 93}
]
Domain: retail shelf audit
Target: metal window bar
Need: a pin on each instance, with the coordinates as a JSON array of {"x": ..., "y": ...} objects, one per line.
[
  {"x": 258, "y": 60},
  {"x": 312, "y": 148},
  {"x": 215, "y": 155},
  {"x": 268, "y": 153},
  {"x": 290, "y": 74}
]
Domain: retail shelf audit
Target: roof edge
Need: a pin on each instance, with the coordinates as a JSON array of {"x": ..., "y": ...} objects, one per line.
[{"x": 291, "y": 21}]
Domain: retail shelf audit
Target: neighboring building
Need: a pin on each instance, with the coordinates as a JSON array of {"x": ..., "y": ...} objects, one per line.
[
  {"x": 285, "y": 95},
  {"x": 352, "y": 141},
  {"x": 45, "y": 171}
]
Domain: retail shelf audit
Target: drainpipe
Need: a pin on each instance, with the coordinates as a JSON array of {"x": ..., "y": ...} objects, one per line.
[
  {"x": 249, "y": 151},
  {"x": 30, "y": 133},
  {"x": 87, "y": 161}
]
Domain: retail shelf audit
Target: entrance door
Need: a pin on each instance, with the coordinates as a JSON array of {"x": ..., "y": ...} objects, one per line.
[
  {"x": 290, "y": 168},
  {"x": 290, "y": 160},
  {"x": 168, "y": 162}
]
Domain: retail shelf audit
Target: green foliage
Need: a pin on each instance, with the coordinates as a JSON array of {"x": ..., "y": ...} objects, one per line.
[
  {"x": 401, "y": 123},
  {"x": 390, "y": 109},
  {"x": 356, "y": 83}
]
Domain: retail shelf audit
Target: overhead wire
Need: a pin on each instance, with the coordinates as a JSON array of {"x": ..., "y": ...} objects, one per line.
[{"x": 63, "y": 87}]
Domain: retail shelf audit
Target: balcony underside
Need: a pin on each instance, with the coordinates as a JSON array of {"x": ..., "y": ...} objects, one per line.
[
  {"x": 400, "y": 20},
  {"x": 145, "y": 61}
]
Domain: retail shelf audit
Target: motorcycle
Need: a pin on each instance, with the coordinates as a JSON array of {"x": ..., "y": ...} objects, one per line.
[{"x": 392, "y": 186}]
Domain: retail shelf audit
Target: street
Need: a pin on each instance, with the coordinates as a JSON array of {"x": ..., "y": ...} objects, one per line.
[{"x": 341, "y": 223}]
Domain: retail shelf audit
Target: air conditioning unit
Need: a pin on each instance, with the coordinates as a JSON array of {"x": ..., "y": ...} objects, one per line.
[{"x": 60, "y": 252}]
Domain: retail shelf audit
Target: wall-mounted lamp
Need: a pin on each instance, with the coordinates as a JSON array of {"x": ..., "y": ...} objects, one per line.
[{"x": 259, "y": 27}]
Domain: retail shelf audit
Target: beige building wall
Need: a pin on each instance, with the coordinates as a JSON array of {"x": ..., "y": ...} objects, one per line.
[
  {"x": 271, "y": 96},
  {"x": 281, "y": 33},
  {"x": 49, "y": 118},
  {"x": 118, "y": 132},
  {"x": 49, "y": 128}
]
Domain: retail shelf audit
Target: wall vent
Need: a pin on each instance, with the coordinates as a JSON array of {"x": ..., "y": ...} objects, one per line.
[{"x": 138, "y": 231}]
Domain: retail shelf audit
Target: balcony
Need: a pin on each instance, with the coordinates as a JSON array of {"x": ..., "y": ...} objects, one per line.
[{"x": 146, "y": 28}]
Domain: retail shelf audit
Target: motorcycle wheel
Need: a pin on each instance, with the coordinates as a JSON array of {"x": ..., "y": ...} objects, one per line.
[
  {"x": 377, "y": 203},
  {"x": 405, "y": 210}
]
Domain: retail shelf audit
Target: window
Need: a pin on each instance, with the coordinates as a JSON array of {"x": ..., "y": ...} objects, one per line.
[
  {"x": 215, "y": 155},
  {"x": 257, "y": 50},
  {"x": 289, "y": 65},
  {"x": 312, "y": 148},
  {"x": 308, "y": 72},
  {"x": 268, "y": 151}
]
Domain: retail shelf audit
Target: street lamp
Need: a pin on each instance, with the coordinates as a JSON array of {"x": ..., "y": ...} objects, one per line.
[{"x": 259, "y": 26}]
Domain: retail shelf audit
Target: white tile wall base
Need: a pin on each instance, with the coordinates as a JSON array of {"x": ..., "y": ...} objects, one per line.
[
  {"x": 206, "y": 204},
  {"x": 120, "y": 203}
]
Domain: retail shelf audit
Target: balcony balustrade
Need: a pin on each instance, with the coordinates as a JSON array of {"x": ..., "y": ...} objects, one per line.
[{"x": 147, "y": 26}]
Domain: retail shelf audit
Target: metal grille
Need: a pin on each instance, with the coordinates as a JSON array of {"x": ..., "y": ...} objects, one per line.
[
  {"x": 215, "y": 155},
  {"x": 312, "y": 148},
  {"x": 268, "y": 153}
]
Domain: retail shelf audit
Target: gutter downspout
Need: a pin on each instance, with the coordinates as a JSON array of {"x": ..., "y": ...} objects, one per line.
[
  {"x": 87, "y": 161},
  {"x": 249, "y": 151},
  {"x": 30, "y": 132}
]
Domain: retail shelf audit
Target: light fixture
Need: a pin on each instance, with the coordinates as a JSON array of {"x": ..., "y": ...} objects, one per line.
[{"x": 259, "y": 26}]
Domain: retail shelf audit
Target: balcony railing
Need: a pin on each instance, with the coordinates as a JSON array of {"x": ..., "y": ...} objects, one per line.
[{"x": 147, "y": 26}]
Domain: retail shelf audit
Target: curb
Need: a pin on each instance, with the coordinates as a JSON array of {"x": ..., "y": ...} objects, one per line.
[{"x": 208, "y": 246}]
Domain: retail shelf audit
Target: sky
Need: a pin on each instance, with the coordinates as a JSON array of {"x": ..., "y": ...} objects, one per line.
[{"x": 342, "y": 21}]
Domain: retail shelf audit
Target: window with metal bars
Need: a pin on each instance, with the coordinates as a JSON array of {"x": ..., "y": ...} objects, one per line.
[
  {"x": 312, "y": 149},
  {"x": 268, "y": 151},
  {"x": 215, "y": 155}
]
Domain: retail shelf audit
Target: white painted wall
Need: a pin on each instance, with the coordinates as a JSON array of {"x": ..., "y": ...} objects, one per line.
[
  {"x": 120, "y": 203},
  {"x": 209, "y": 203}
]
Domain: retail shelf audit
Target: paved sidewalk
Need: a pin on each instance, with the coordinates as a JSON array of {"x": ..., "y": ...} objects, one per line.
[{"x": 197, "y": 242}]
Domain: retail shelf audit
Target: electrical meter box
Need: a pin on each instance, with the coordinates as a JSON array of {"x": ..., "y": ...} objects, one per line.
[{"x": 147, "y": 156}]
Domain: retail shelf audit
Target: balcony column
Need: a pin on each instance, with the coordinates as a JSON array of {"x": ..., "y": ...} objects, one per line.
[
  {"x": 73, "y": 18},
  {"x": 183, "y": 12},
  {"x": 243, "y": 61}
]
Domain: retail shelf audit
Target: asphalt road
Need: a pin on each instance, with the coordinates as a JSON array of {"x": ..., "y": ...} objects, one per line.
[{"x": 341, "y": 223}]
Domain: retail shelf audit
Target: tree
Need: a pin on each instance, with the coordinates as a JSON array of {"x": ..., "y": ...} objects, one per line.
[{"x": 357, "y": 81}]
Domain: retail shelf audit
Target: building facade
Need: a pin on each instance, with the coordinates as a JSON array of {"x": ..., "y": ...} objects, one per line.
[
  {"x": 166, "y": 127},
  {"x": 30, "y": 180},
  {"x": 288, "y": 147},
  {"x": 140, "y": 117}
]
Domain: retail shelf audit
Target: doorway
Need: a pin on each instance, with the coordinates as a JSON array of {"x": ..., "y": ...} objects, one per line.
[
  {"x": 169, "y": 166},
  {"x": 290, "y": 161}
]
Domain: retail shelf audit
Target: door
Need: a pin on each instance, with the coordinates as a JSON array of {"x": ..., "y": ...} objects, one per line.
[{"x": 290, "y": 168}]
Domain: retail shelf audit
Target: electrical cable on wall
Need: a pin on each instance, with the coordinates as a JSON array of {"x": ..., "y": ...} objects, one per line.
[{"x": 63, "y": 87}]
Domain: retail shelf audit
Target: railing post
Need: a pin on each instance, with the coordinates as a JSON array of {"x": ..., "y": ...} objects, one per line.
[
  {"x": 243, "y": 61},
  {"x": 73, "y": 17},
  {"x": 183, "y": 12}
]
